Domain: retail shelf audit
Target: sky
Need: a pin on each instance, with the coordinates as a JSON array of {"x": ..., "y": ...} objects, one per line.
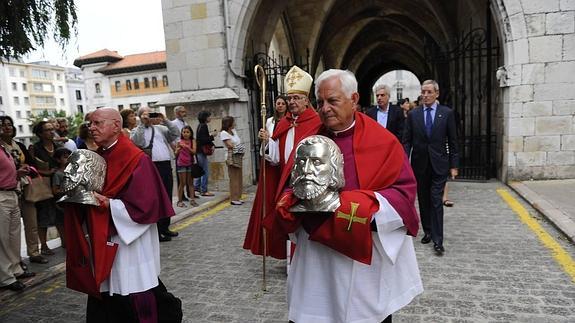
[{"x": 125, "y": 26}]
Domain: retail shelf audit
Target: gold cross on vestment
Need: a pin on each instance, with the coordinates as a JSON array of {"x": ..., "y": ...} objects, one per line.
[{"x": 351, "y": 217}]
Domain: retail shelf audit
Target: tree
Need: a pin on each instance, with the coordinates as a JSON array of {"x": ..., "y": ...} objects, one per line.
[
  {"x": 26, "y": 24},
  {"x": 74, "y": 121}
]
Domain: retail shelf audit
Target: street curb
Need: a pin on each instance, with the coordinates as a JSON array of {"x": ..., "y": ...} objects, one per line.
[
  {"x": 558, "y": 218},
  {"x": 59, "y": 269}
]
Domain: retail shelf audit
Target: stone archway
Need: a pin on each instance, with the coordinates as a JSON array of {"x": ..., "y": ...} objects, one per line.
[{"x": 370, "y": 37}]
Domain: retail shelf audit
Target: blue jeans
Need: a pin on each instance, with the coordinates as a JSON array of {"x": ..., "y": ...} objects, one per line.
[{"x": 201, "y": 184}]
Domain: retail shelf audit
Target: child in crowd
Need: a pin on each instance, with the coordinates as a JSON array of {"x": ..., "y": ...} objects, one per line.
[
  {"x": 185, "y": 151},
  {"x": 61, "y": 156}
]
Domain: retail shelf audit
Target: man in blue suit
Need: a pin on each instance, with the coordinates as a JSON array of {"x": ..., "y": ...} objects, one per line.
[
  {"x": 388, "y": 115},
  {"x": 429, "y": 130}
]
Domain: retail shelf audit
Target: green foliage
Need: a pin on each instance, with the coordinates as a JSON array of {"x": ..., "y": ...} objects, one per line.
[
  {"x": 26, "y": 24},
  {"x": 74, "y": 121}
]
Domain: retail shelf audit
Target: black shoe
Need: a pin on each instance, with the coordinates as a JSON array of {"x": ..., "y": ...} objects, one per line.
[
  {"x": 438, "y": 249},
  {"x": 15, "y": 286},
  {"x": 38, "y": 259},
  {"x": 184, "y": 199},
  {"x": 26, "y": 274},
  {"x": 426, "y": 239},
  {"x": 170, "y": 233},
  {"x": 164, "y": 238}
]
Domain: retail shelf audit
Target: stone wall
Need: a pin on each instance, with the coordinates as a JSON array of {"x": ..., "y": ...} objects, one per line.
[{"x": 539, "y": 136}]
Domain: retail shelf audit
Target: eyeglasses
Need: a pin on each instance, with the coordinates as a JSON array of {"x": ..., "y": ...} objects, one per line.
[
  {"x": 97, "y": 123},
  {"x": 295, "y": 98}
]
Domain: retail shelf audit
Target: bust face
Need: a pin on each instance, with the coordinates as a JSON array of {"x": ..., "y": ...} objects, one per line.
[
  {"x": 312, "y": 171},
  {"x": 74, "y": 172}
]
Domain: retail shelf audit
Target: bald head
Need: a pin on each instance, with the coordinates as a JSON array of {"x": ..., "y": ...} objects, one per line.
[{"x": 105, "y": 126}]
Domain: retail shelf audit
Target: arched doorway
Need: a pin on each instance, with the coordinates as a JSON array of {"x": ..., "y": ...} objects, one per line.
[{"x": 453, "y": 42}]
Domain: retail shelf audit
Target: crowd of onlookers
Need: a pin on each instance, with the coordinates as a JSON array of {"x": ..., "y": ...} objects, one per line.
[{"x": 39, "y": 172}]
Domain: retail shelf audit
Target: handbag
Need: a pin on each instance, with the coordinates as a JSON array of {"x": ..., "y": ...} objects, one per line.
[
  {"x": 234, "y": 160},
  {"x": 197, "y": 171},
  {"x": 208, "y": 149},
  {"x": 148, "y": 150},
  {"x": 239, "y": 149},
  {"x": 38, "y": 190}
]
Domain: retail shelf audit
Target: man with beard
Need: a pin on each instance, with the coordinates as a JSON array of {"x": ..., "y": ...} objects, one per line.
[
  {"x": 299, "y": 122},
  {"x": 62, "y": 132},
  {"x": 118, "y": 265},
  {"x": 317, "y": 175},
  {"x": 358, "y": 263}
]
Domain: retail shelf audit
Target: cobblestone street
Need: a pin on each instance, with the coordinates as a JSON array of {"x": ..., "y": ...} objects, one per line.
[{"x": 495, "y": 269}]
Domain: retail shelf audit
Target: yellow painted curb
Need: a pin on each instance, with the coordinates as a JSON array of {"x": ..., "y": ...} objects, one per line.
[
  {"x": 185, "y": 223},
  {"x": 559, "y": 254}
]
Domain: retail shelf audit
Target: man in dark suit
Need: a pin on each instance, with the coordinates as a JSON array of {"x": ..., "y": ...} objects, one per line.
[
  {"x": 387, "y": 115},
  {"x": 427, "y": 130}
]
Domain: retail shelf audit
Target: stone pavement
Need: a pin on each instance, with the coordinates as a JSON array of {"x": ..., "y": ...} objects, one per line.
[{"x": 495, "y": 269}]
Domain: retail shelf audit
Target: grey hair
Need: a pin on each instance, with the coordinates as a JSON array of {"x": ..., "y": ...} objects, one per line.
[
  {"x": 337, "y": 179},
  {"x": 179, "y": 108},
  {"x": 432, "y": 82},
  {"x": 383, "y": 87},
  {"x": 347, "y": 79},
  {"x": 141, "y": 110}
]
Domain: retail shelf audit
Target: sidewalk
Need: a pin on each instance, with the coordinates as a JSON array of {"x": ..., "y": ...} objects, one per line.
[
  {"x": 57, "y": 266},
  {"x": 555, "y": 199}
]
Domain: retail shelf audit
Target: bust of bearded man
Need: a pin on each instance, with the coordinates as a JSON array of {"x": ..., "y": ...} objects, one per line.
[
  {"x": 85, "y": 173},
  {"x": 317, "y": 175}
]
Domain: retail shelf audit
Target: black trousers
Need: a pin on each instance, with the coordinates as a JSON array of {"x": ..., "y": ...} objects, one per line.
[
  {"x": 430, "y": 186},
  {"x": 165, "y": 170}
]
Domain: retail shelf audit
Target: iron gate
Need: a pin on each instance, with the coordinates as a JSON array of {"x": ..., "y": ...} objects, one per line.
[
  {"x": 275, "y": 68},
  {"x": 467, "y": 76}
]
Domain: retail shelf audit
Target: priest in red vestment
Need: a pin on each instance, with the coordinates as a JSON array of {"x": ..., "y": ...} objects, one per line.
[
  {"x": 357, "y": 264},
  {"x": 118, "y": 266},
  {"x": 300, "y": 121}
]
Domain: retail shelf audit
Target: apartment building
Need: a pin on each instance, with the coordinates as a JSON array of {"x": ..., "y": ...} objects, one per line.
[
  {"x": 130, "y": 81},
  {"x": 30, "y": 88}
]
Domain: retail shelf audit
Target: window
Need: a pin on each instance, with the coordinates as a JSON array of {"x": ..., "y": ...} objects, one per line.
[
  {"x": 152, "y": 103},
  {"x": 48, "y": 100},
  {"x": 165, "y": 80},
  {"x": 98, "y": 90},
  {"x": 154, "y": 81},
  {"x": 28, "y": 114},
  {"x": 146, "y": 82},
  {"x": 78, "y": 95},
  {"x": 41, "y": 74},
  {"x": 43, "y": 87},
  {"x": 60, "y": 89},
  {"x": 18, "y": 114},
  {"x": 80, "y": 108},
  {"x": 120, "y": 107},
  {"x": 58, "y": 76},
  {"x": 62, "y": 102},
  {"x": 128, "y": 85},
  {"x": 12, "y": 71},
  {"x": 0, "y": 100},
  {"x": 134, "y": 106},
  {"x": 16, "y": 100},
  {"x": 24, "y": 87},
  {"x": 399, "y": 93},
  {"x": 26, "y": 100},
  {"x": 20, "y": 129},
  {"x": 21, "y": 73},
  {"x": 136, "y": 84},
  {"x": 118, "y": 86},
  {"x": 14, "y": 86}
]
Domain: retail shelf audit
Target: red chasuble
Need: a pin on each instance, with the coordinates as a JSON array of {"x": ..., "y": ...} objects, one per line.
[
  {"x": 307, "y": 124},
  {"x": 88, "y": 263},
  {"x": 380, "y": 166}
]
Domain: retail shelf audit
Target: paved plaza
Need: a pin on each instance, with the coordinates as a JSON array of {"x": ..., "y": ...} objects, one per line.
[{"x": 496, "y": 268}]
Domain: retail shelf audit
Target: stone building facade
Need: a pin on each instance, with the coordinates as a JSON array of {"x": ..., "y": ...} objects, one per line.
[{"x": 507, "y": 66}]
